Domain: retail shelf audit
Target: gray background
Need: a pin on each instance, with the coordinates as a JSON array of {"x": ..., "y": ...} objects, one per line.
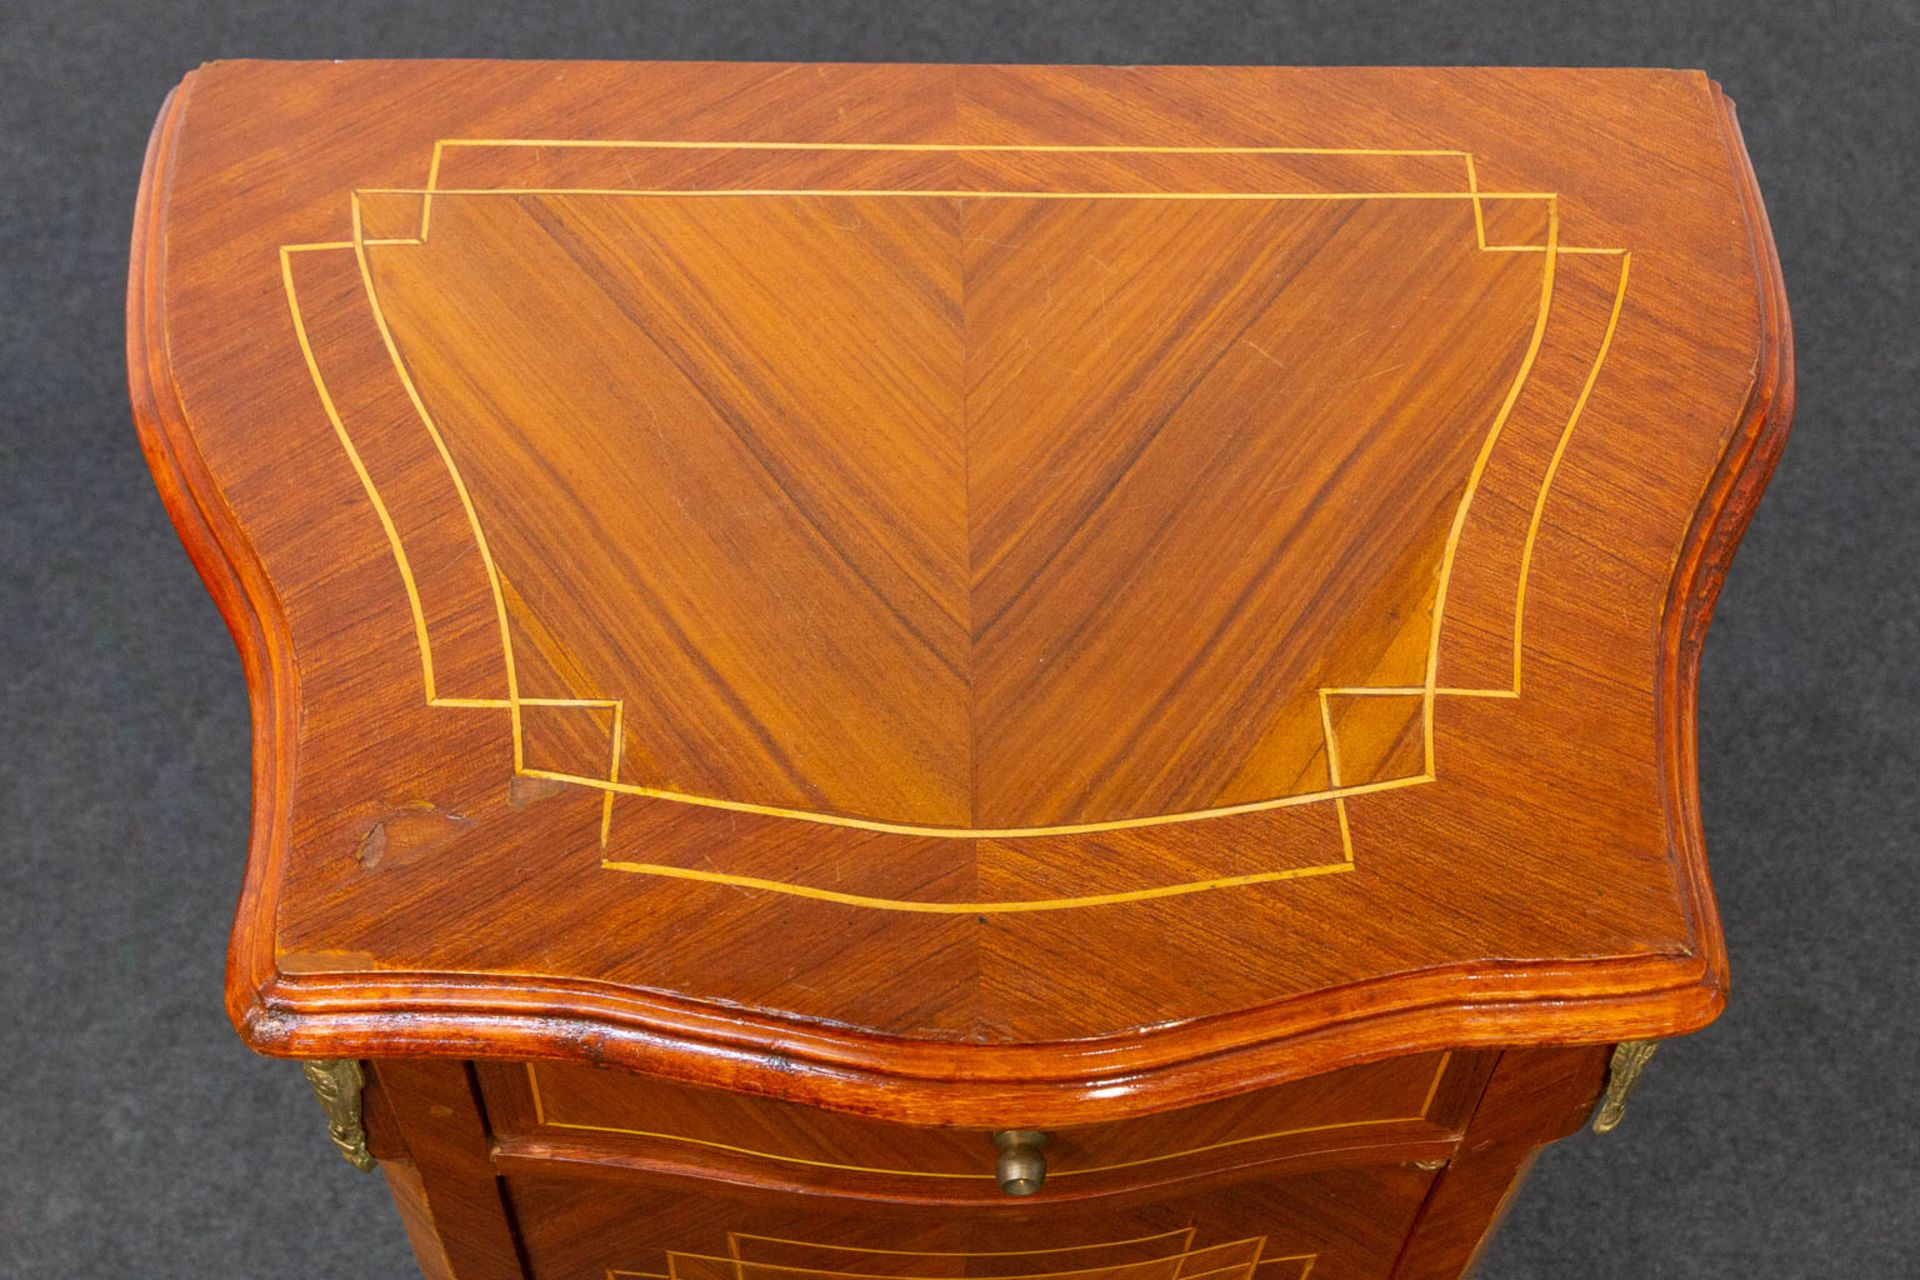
[{"x": 139, "y": 1139}]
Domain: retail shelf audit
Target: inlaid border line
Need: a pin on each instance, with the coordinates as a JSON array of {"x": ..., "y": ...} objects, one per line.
[
  {"x": 739, "y": 1266},
  {"x": 1479, "y": 470},
  {"x": 1186, "y": 1247},
  {"x": 1422, "y": 1116},
  {"x": 949, "y": 832},
  {"x": 612, "y": 784}
]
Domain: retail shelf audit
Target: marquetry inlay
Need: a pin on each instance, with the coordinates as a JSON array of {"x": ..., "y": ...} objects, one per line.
[
  {"x": 1169, "y": 1255},
  {"x": 962, "y": 672},
  {"x": 939, "y": 687}
]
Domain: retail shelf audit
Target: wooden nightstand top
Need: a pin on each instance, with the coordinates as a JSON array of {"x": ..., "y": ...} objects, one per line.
[{"x": 955, "y": 587}]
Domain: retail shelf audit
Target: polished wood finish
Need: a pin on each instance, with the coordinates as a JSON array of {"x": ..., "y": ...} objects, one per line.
[
  {"x": 1363, "y": 1192},
  {"x": 1533, "y": 1098},
  {"x": 445, "y": 1185},
  {"x": 1336, "y": 1224},
  {"x": 584, "y": 1115},
  {"x": 799, "y": 616}
]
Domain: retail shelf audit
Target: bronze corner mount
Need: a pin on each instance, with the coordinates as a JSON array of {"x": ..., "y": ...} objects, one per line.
[
  {"x": 338, "y": 1084},
  {"x": 1630, "y": 1058}
]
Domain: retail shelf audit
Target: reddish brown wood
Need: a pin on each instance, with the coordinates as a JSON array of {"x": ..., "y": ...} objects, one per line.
[
  {"x": 416, "y": 1215},
  {"x": 449, "y": 1196},
  {"x": 989, "y": 1013},
  {"x": 843, "y": 1183},
  {"x": 1144, "y": 603},
  {"x": 1534, "y": 1097},
  {"x": 382, "y": 1125},
  {"x": 1408, "y": 1109},
  {"x": 1338, "y": 1224}
]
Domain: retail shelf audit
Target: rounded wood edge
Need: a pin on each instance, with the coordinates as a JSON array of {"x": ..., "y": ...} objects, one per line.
[
  {"x": 225, "y": 560},
  {"x": 1033, "y": 1086},
  {"x": 388, "y": 1015},
  {"x": 1726, "y": 508}
]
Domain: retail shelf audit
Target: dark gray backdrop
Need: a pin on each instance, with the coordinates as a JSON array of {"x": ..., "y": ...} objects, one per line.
[{"x": 139, "y": 1139}]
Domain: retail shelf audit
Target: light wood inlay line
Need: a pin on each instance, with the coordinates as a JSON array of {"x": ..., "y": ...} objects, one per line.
[
  {"x": 612, "y": 784},
  {"x": 542, "y": 1118},
  {"x": 740, "y": 1266},
  {"x": 1060, "y": 526},
  {"x": 1306, "y": 1267},
  {"x": 1479, "y": 470},
  {"x": 1148, "y": 1266},
  {"x": 1472, "y": 192},
  {"x": 959, "y": 194},
  {"x": 1185, "y": 1233}
]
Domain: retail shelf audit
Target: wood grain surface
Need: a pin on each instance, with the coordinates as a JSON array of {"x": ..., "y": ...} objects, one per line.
[
  {"x": 961, "y": 592},
  {"x": 1336, "y": 1224},
  {"x": 571, "y": 1117}
]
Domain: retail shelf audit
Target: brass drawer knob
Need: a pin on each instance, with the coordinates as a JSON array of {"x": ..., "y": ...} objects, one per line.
[{"x": 1022, "y": 1165}]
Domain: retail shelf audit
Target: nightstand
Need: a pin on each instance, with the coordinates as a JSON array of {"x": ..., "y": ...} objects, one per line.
[{"x": 930, "y": 671}]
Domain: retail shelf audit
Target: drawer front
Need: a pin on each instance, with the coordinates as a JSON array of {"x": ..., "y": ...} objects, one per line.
[
  {"x": 1339, "y": 1224},
  {"x": 585, "y": 1111}
]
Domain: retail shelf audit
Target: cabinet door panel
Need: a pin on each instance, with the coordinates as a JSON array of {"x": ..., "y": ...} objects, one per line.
[{"x": 1338, "y": 1224}]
